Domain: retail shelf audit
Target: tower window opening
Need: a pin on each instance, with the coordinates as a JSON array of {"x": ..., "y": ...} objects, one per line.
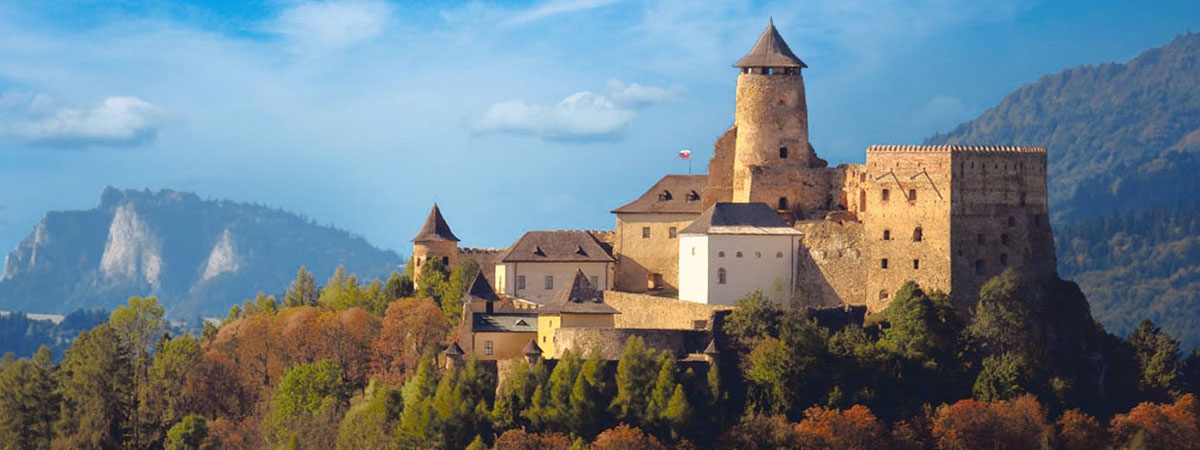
[
  {"x": 738, "y": 254},
  {"x": 1004, "y": 239},
  {"x": 1004, "y": 260},
  {"x": 721, "y": 254},
  {"x": 883, "y": 263},
  {"x": 721, "y": 276},
  {"x": 884, "y": 195},
  {"x": 758, "y": 254},
  {"x": 1022, "y": 199},
  {"x": 1012, "y": 221},
  {"x": 445, "y": 260},
  {"x": 979, "y": 267},
  {"x": 918, "y": 234},
  {"x": 916, "y": 264},
  {"x": 782, "y": 152},
  {"x": 778, "y": 254},
  {"x": 672, "y": 232},
  {"x": 645, "y": 232},
  {"x": 883, "y": 294},
  {"x": 912, "y": 195},
  {"x": 887, "y": 235},
  {"x": 862, "y": 200},
  {"x": 783, "y": 203}
]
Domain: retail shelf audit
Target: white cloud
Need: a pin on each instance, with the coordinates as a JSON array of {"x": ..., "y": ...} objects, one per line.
[
  {"x": 117, "y": 122},
  {"x": 582, "y": 116},
  {"x": 321, "y": 27},
  {"x": 555, "y": 7}
]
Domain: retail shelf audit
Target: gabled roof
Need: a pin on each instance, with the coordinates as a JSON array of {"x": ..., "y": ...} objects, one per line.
[
  {"x": 580, "y": 297},
  {"x": 435, "y": 228},
  {"x": 480, "y": 290},
  {"x": 712, "y": 348},
  {"x": 770, "y": 51},
  {"x": 531, "y": 349},
  {"x": 740, "y": 218},
  {"x": 673, "y": 194},
  {"x": 505, "y": 323},
  {"x": 454, "y": 349},
  {"x": 557, "y": 246}
]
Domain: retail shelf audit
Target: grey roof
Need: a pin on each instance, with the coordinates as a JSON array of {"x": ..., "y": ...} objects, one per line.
[
  {"x": 739, "y": 218},
  {"x": 480, "y": 290},
  {"x": 673, "y": 194},
  {"x": 531, "y": 349},
  {"x": 712, "y": 348},
  {"x": 435, "y": 228},
  {"x": 770, "y": 51},
  {"x": 504, "y": 323},
  {"x": 454, "y": 350},
  {"x": 557, "y": 246},
  {"x": 580, "y": 297}
]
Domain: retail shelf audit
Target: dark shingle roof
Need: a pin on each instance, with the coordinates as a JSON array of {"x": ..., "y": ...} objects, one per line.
[
  {"x": 673, "y": 194},
  {"x": 505, "y": 323},
  {"x": 712, "y": 348},
  {"x": 531, "y": 349},
  {"x": 739, "y": 218},
  {"x": 454, "y": 350},
  {"x": 435, "y": 228},
  {"x": 580, "y": 297},
  {"x": 770, "y": 51},
  {"x": 480, "y": 290},
  {"x": 557, "y": 246}
]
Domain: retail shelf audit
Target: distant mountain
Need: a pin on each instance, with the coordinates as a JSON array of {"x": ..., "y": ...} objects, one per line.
[
  {"x": 1124, "y": 163},
  {"x": 197, "y": 256}
]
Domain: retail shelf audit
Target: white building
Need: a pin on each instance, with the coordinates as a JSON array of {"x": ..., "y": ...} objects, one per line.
[
  {"x": 733, "y": 249},
  {"x": 541, "y": 263}
]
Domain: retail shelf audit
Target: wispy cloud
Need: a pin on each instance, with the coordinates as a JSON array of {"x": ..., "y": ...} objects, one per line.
[
  {"x": 555, "y": 7},
  {"x": 116, "y": 122},
  {"x": 582, "y": 116},
  {"x": 321, "y": 27}
]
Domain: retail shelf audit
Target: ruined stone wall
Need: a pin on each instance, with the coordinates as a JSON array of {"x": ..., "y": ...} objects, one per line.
[
  {"x": 720, "y": 171},
  {"x": 830, "y": 264},
  {"x": 771, "y": 114},
  {"x": 645, "y": 311},
  {"x": 807, "y": 192},
  {"x": 906, "y": 188},
  {"x": 999, "y": 217},
  {"x": 639, "y": 257}
]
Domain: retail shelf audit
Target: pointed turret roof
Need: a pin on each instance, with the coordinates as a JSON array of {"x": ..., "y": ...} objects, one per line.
[
  {"x": 531, "y": 349},
  {"x": 454, "y": 350},
  {"x": 435, "y": 228},
  {"x": 580, "y": 297},
  {"x": 770, "y": 51},
  {"x": 481, "y": 290}
]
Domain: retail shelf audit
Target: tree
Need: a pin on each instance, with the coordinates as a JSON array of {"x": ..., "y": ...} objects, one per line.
[
  {"x": 758, "y": 432},
  {"x": 922, "y": 327},
  {"x": 191, "y": 433},
  {"x": 1003, "y": 377},
  {"x": 95, "y": 381},
  {"x": 1158, "y": 359},
  {"x": 308, "y": 397},
  {"x": 1013, "y": 424},
  {"x": 625, "y": 437},
  {"x": 167, "y": 399},
  {"x": 451, "y": 292},
  {"x": 636, "y": 373},
  {"x": 754, "y": 317},
  {"x": 769, "y": 377},
  {"x": 521, "y": 440},
  {"x": 370, "y": 424},
  {"x": 409, "y": 328},
  {"x": 398, "y": 286},
  {"x": 29, "y": 404},
  {"x": 1158, "y": 426},
  {"x": 303, "y": 291},
  {"x": 853, "y": 429},
  {"x": 1079, "y": 431}
]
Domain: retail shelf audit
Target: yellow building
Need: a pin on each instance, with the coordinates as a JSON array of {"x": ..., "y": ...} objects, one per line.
[
  {"x": 578, "y": 305},
  {"x": 494, "y": 329}
]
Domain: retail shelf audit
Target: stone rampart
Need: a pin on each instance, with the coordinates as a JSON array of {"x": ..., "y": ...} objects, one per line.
[{"x": 646, "y": 311}]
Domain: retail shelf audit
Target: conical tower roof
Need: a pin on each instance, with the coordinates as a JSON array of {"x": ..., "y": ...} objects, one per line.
[
  {"x": 482, "y": 290},
  {"x": 454, "y": 349},
  {"x": 532, "y": 349},
  {"x": 435, "y": 228},
  {"x": 770, "y": 51}
]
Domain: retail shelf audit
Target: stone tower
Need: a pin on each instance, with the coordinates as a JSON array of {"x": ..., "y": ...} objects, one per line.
[
  {"x": 435, "y": 241},
  {"x": 771, "y": 119}
]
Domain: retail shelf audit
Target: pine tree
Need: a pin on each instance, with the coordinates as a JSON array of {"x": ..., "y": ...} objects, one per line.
[
  {"x": 303, "y": 291},
  {"x": 636, "y": 371}
]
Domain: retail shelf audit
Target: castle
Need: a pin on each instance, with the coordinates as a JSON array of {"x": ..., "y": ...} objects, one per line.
[{"x": 947, "y": 217}]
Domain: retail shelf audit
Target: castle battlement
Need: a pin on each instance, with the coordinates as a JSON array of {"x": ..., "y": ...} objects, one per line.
[
  {"x": 478, "y": 250},
  {"x": 954, "y": 149}
]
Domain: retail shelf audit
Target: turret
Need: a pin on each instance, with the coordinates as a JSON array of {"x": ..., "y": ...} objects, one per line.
[
  {"x": 434, "y": 241},
  {"x": 771, "y": 116}
]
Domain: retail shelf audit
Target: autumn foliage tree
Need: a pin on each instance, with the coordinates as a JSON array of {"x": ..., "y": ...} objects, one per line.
[
  {"x": 409, "y": 328},
  {"x": 1159, "y": 426},
  {"x": 971, "y": 425},
  {"x": 853, "y": 429}
]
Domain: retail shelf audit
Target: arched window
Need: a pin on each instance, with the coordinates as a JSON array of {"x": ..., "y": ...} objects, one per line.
[
  {"x": 721, "y": 276},
  {"x": 918, "y": 235},
  {"x": 783, "y": 203}
]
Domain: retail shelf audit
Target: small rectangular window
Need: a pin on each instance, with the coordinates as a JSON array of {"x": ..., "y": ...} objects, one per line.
[
  {"x": 884, "y": 195},
  {"x": 916, "y": 264},
  {"x": 912, "y": 195},
  {"x": 487, "y": 347},
  {"x": 549, "y": 281},
  {"x": 671, "y": 232},
  {"x": 782, "y": 152},
  {"x": 520, "y": 281},
  {"x": 645, "y": 232},
  {"x": 979, "y": 267},
  {"x": 887, "y": 235},
  {"x": 883, "y": 263}
]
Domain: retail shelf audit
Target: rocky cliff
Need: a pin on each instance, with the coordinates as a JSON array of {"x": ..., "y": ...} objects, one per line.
[{"x": 197, "y": 256}]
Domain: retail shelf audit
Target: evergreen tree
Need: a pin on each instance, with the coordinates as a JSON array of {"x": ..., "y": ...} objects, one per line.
[
  {"x": 636, "y": 376},
  {"x": 664, "y": 387},
  {"x": 191, "y": 433},
  {"x": 370, "y": 424},
  {"x": 95, "y": 380},
  {"x": 307, "y": 395},
  {"x": 302, "y": 291},
  {"x": 1003, "y": 377},
  {"x": 397, "y": 286},
  {"x": 678, "y": 414},
  {"x": 29, "y": 402},
  {"x": 1158, "y": 359}
]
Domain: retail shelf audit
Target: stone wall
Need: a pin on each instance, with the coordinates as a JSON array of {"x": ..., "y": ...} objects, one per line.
[
  {"x": 610, "y": 341},
  {"x": 425, "y": 251},
  {"x": 645, "y": 311},
  {"x": 771, "y": 113},
  {"x": 830, "y": 266},
  {"x": 640, "y": 257},
  {"x": 720, "y": 170}
]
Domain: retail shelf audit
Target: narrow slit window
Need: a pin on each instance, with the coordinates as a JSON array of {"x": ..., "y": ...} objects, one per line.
[
  {"x": 885, "y": 194},
  {"x": 918, "y": 234},
  {"x": 916, "y": 264},
  {"x": 887, "y": 235},
  {"x": 783, "y": 153},
  {"x": 912, "y": 195},
  {"x": 979, "y": 267},
  {"x": 672, "y": 232},
  {"x": 1004, "y": 260},
  {"x": 549, "y": 281},
  {"x": 721, "y": 276},
  {"x": 883, "y": 263}
]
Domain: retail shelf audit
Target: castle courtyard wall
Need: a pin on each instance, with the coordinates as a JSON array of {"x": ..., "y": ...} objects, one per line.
[
  {"x": 639, "y": 257},
  {"x": 646, "y": 311}
]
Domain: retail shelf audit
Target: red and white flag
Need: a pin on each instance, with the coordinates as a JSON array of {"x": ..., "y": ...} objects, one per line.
[{"x": 685, "y": 154}]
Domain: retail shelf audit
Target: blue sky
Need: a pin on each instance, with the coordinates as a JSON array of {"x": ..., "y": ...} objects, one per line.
[{"x": 511, "y": 115}]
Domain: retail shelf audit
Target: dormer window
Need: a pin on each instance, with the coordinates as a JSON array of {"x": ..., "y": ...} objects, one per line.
[
  {"x": 664, "y": 196},
  {"x": 692, "y": 196},
  {"x": 579, "y": 251},
  {"x": 537, "y": 250}
]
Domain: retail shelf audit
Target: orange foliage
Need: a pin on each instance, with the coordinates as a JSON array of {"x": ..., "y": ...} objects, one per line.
[
  {"x": 520, "y": 440},
  {"x": 409, "y": 327},
  {"x": 625, "y": 437},
  {"x": 1079, "y": 431},
  {"x": 1168, "y": 427},
  {"x": 854, "y": 428},
  {"x": 968, "y": 424}
]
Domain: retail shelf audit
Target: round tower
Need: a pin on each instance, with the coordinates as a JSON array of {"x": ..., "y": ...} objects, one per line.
[
  {"x": 434, "y": 241},
  {"x": 771, "y": 115}
]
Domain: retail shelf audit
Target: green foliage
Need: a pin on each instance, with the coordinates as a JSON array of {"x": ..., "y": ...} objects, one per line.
[
  {"x": 343, "y": 292},
  {"x": 191, "y": 433},
  {"x": 165, "y": 400},
  {"x": 1003, "y": 377},
  {"x": 636, "y": 375},
  {"x": 307, "y": 396},
  {"x": 753, "y": 318},
  {"x": 398, "y": 286},
  {"x": 369, "y": 424},
  {"x": 95, "y": 381},
  {"x": 1002, "y": 319},
  {"x": 456, "y": 285},
  {"x": 303, "y": 291},
  {"x": 1158, "y": 359},
  {"x": 29, "y": 402},
  {"x": 922, "y": 327}
]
